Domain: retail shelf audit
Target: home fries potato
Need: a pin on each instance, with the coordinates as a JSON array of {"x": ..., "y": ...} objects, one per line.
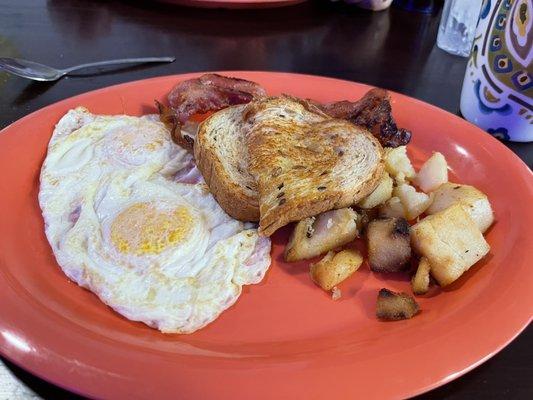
[
  {"x": 335, "y": 267},
  {"x": 410, "y": 217},
  {"x": 451, "y": 241}
]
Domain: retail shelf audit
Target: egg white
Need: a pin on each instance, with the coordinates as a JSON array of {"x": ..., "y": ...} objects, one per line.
[{"x": 106, "y": 185}]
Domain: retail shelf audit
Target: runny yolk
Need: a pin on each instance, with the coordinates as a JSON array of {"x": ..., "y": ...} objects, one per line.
[{"x": 143, "y": 229}]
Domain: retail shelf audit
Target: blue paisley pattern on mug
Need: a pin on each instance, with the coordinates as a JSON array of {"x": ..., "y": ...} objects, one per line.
[
  {"x": 499, "y": 73},
  {"x": 485, "y": 9},
  {"x": 499, "y": 133},
  {"x": 509, "y": 50},
  {"x": 503, "y": 110}
]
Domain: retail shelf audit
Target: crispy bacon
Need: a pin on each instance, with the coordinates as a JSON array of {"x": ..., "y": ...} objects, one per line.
[
  {"x": 213, "y": 92},
  {"x": 209, "y": 92},
  {"x": 373, "y": 111}
]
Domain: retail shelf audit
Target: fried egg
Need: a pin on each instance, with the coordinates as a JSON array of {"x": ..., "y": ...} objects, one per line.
[{"x": 128, "y": 216}]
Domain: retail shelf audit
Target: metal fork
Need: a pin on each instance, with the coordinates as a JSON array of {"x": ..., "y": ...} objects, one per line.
[{"x": 40, "y": 72}]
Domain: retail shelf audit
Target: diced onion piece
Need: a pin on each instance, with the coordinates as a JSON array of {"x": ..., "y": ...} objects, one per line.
[
  {"x": 433, "y": 173},
  {"x": 414, "y": 203}
]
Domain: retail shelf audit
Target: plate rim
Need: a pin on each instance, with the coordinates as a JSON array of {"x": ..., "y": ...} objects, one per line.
[{"x": 102, "y": 91}]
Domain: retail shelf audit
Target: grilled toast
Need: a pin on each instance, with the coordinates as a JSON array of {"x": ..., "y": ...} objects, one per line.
[
  {"x": 281, "y": 159},
  {"x": 305, "y": 162},
  {"x": 222, "y": 158}
]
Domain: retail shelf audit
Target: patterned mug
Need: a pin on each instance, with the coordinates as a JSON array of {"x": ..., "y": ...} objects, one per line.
[{"x": 497, "y": 90}]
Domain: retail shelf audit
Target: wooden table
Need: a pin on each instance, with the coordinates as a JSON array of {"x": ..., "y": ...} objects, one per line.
[{"x": 393, "y": 49}]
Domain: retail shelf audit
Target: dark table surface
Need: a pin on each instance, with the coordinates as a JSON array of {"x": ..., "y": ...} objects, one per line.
[{"x": 394, "y": 49}]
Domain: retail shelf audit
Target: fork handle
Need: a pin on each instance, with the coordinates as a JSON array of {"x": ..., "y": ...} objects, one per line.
[{"x": 121, "y": 61}]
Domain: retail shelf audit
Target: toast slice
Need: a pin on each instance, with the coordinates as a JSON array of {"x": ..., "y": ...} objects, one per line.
[
  {"x": 222, "y": 158},
  {"x": 305, "y": 162}
]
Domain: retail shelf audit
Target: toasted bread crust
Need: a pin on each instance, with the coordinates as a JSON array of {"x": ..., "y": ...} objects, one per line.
[
  {"x": 232, "y": 197},
  {"x": 228, "y": 194}
]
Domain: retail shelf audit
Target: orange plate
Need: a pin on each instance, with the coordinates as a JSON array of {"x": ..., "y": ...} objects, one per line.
[{"x": 284, "y": 338}]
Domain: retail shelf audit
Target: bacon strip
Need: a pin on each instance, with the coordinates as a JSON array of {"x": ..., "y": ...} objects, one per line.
[
  {"x": 213, "y": 92},
  {"x": 373, "y": 111},
  {"x": 209, "y": 92}
]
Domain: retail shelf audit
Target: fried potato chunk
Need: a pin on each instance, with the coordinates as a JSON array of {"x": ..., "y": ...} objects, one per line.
[
  {"x": 335, "y": 267},
  {"x": 393, "y": 306},
  {"x": 317, "y": 235},
  {"x": 380, "y": 195},
  {"x": 397, "y": 163},
  {"x": 389, "y": 248},
  {"x": 451, "y": 241},
  {"x": 420, "y": 280},
  {"x": 474, "y": 202}
]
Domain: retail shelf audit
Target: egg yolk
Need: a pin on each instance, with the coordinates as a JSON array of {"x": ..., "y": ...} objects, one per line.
[{"x": 143, "y": 229}]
